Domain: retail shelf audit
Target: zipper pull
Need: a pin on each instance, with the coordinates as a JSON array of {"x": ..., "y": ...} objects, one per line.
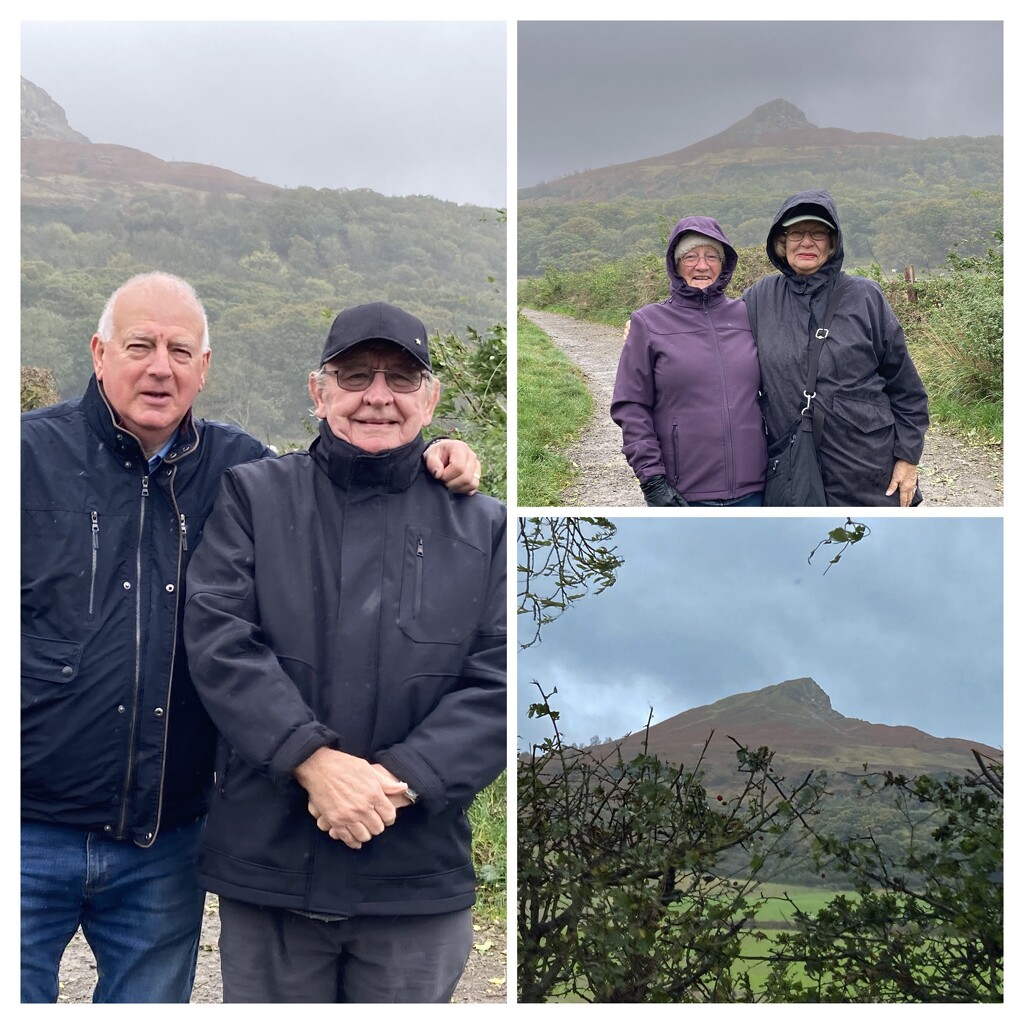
[
  {"x": 419, "y": 548},
  {"x": 95, "y": 530},
  {"x": 145, "y": 486},
  {"x": 184, "y": 531}
]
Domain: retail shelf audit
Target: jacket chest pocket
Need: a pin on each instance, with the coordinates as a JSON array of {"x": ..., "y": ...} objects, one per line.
[
  {"x": 443, "y": 586},
  {"x": 72, "y": 563}
]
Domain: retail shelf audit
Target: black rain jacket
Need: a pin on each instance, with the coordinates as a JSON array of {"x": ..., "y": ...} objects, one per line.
[
  {"x": 348, "y": 600},
  {"x": 875, "y": 406}
]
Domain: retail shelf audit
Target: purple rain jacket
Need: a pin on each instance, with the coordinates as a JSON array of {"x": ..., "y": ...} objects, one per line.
[{"x": 686, "y": 389}]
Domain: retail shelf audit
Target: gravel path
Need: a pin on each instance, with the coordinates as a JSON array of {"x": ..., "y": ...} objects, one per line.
[{"x": 952, "y": 471}]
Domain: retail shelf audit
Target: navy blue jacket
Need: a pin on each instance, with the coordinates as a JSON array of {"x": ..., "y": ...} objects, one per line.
[
  {"x": 347, "y": 600},
  {"x": 113, "y": 736}
]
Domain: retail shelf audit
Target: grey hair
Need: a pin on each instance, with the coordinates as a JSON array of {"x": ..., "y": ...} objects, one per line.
[{"x": 105, "y": 327}]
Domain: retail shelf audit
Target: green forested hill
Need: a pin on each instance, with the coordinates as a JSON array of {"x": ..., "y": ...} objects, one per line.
[
  {"x": 901, "y": 201},
  {"x": 270, "y": 270}
]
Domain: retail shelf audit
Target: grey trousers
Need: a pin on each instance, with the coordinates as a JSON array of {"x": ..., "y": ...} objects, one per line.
[{"x": 269, "y": 955}]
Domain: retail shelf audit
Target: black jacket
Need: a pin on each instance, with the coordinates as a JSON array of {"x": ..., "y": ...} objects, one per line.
[
  {"x": 875, "y": 406},
  {"x": 347, "y": 600},
  {"x": 113, "y": 736}
]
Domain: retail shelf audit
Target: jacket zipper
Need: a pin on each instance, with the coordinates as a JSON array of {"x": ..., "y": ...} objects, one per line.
[
  {"x": 95, "y": 517},
  {"x": 182, "y": 547},
  {"x": 130, "y": 766},
  {"x": 419, "y": 579},
  {"x": 730, "y": 466}
]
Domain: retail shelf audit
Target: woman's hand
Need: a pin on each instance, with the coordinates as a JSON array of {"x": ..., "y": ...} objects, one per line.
[
  {"x": 904, "y": 476},
  {"x": 659, "y": 492}
]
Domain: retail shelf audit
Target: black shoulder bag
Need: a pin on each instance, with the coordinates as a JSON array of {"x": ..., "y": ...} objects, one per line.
[{"x": 793, "y": 476}]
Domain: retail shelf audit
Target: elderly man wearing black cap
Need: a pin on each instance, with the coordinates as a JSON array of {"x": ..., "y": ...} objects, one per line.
[{"x": 346, "y": 631}]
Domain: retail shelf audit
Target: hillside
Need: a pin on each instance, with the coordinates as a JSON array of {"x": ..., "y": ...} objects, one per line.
[
  {"x": 62, "y": 166},
  {"x": 900, "y": 200},
  {"x": 773, "y": 137},
  {"x": 796, "y": 719},
  {"x": 271, "y": 264}
]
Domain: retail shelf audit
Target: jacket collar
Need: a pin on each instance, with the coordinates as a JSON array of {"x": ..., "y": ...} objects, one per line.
[
  {"x": 349, "y": 467},
  {"x": 125, "y": 445}
]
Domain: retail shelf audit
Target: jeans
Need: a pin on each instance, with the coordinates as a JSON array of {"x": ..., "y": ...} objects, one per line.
[
  {"x": 755, "y": 500},
  {"x": 141, "y": 911},
  {"x": 270, "y": 955}
]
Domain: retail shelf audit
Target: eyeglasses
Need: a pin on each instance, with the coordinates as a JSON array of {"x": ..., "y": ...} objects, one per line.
[
  {"x": 794, "y": 235},
  {"x": 691, "y": 259},
  {"x": 359, "y": 380}
]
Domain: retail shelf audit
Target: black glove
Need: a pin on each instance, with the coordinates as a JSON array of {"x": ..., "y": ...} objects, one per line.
[{"x": 659, "y": 492}]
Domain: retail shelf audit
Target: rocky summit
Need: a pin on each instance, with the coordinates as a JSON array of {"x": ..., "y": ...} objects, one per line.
[{"x": 795, "y": 718}]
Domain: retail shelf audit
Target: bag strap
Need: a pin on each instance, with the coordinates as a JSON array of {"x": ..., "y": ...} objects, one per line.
[{"x": 816, "y": 420}]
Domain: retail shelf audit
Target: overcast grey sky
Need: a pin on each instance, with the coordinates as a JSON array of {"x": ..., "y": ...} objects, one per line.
[
  {"x": 402, "y": 108},
  {"x": 592, "y": 94},
  {"x": 905, "y": 630}
]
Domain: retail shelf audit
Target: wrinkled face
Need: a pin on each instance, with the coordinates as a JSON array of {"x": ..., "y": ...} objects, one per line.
[
  {"x": 700, "y": 267},
  {"x": 152, "y": 367},
  {"x": 808, "y": 246},
  {"x": 378, "y": 418}
]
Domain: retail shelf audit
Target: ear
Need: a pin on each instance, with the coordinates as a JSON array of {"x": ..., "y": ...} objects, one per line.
[
  {"x": 430, "y": 399},
  {"x": 319, "y": 409},
  {"x": 96, "y": 347}
]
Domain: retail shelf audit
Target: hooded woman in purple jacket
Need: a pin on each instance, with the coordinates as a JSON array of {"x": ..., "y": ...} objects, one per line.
[{"x": 686, "y": 389}]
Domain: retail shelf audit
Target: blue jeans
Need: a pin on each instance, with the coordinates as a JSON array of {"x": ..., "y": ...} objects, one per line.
[
  {"x": 755, "y": 500},
  {"x": 141, "y": 911}
]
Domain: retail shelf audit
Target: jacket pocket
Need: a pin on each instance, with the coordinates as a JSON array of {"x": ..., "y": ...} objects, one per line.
[
  {"x": 443, "y": 587},
  {"x": 866, "y": 415},
  {"x": 50, "y": 659}
]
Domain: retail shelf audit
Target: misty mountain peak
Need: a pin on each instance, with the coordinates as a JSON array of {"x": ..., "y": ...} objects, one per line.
[
  {"x": 42, "y": 118},
  {"x": 767, "y": 119}
]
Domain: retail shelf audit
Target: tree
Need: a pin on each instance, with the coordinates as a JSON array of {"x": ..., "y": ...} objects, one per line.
[
  {"x": 473, "y": 399},
  {"x": 38, "y": 388},
  {"x": 927, "y": 924},
  {"x": 622, "y": 897},
  {"x": 562, "y": 560}
]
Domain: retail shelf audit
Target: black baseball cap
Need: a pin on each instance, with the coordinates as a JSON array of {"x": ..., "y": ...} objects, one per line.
[{"x": 377, "y": 321}]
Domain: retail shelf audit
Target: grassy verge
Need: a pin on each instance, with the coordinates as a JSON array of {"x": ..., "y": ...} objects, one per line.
[
  {"x": 554, "y": 406},
  {"x": 487, "y": 816}
]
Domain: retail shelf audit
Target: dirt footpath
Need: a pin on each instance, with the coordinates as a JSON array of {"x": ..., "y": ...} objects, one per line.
[
  {"x": 483, "y": 981},
  {"x": 952, "y": 472}
]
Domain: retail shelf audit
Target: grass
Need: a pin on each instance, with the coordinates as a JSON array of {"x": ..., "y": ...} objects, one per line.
[
  {"x": 487, "y": 816},
  {"x": 554, "y": 407}
]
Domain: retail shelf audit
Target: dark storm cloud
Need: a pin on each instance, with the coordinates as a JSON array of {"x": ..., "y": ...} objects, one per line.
[
  {"x": 905, "y": 630},
  {"x": 401, "y": 108},
  {"x": 592, "y": 94}
]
